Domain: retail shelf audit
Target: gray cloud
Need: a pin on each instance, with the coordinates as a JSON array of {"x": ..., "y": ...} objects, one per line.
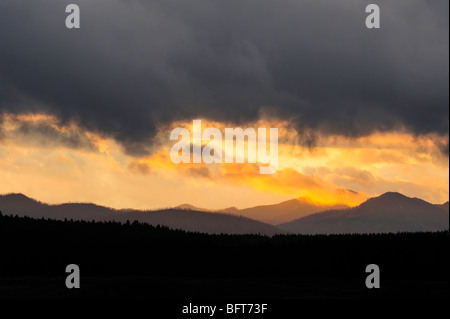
[
  {"x": 134, "y": 64},
  {"x": 44, "y": 134}
]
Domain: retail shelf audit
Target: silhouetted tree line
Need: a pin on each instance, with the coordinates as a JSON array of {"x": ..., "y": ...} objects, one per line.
[{"x": 44, "y": 247}]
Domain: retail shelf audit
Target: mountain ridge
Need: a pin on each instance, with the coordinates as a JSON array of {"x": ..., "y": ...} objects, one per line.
[
  {"x": 389, "y": 212},
  {"x": 285, "y": 211},
  {"x": 188, "y": 220}
]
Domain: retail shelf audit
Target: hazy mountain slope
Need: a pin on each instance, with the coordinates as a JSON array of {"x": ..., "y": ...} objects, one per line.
[
  {"x": 285, "y": 211},
  {"x": 211, "y": 223},
  {"x": 18, "y": 204},
  {"x": 445, "y": 207},
  {"x": 390, "y": 212},
  {"x": 191, "y": 207},
  {"x": 21, "y": 205}
]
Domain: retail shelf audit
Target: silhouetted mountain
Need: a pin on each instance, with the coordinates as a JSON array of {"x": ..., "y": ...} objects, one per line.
[
  {"x": 230, "y": 210},
  {"x": 205, "y": 222},
  {"x": 191, "y": 207},
  {"x": 21, "y": 205},
  {"x": 444, "y": 207},
  {"x": 284, "y": 211},
  {"x": 390, "y": 212},
  {"x": 182, "y": 218}
]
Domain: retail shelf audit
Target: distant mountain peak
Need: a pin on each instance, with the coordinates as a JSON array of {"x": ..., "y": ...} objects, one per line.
[
  {"x": 389, "y": 212},
  {"x": 186, "y": 217},
  {"x": 394, "y": 195},
  {"x": 16, "y": 196},
  {"x": 301, "y": 200},
  {"x": 185, "y": 206},
  {"x": 190, "y": 207}
]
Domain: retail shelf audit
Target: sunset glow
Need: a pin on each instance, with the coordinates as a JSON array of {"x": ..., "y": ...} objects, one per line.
[{"x": 57, "y": 162}]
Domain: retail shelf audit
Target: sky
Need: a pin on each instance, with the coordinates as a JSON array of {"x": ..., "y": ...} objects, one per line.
[{"x": 86, "y": 114}]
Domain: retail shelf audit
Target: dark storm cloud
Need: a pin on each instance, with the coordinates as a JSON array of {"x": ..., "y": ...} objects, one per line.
[{"x": 134, "y": 64}]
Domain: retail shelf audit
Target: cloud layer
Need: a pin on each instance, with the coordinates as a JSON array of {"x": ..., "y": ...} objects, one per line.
[
  {"x": 59, "y": 162},
  {"x": 136, "y": 64}
]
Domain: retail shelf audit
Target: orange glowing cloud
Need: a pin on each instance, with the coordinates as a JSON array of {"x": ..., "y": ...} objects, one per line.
[{"x": 56, "y": 162}]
